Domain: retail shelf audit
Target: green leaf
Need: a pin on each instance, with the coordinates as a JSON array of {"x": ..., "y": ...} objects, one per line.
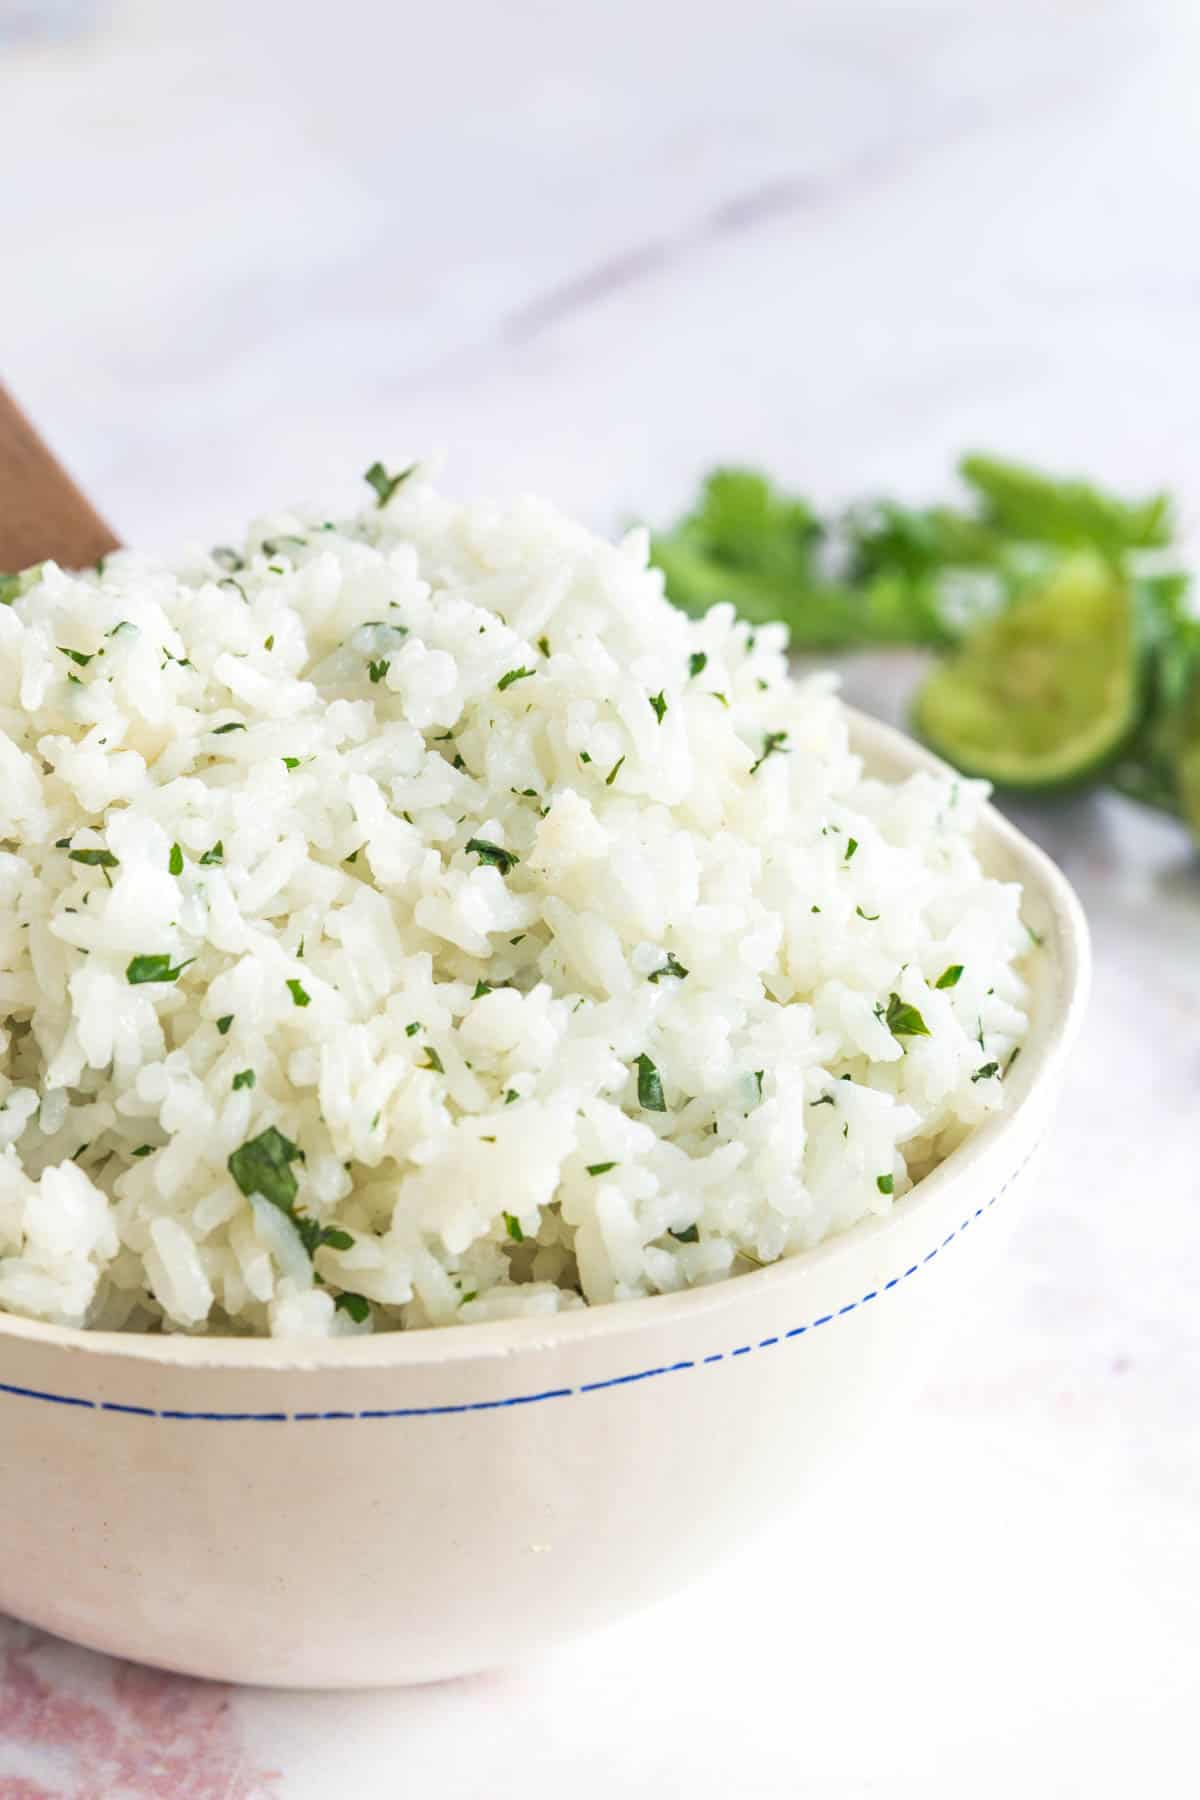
[
  {"x": 384, "y": 484},
  {"x": 143, "y": 969},
  {"x": 613, "y": 772},
  {"x": 903, "y": 1020},
  {"x": 77, "y": 656},
  {"x": 224, "y": 730},
  {"x": 986, "y": 1072},
  {"x": 774, "y": 744},
  {"x": 215, "y": 855},
  {"x": 649, "y": 1086},
  {"x": 94, "y": 859},
  {"x": 672, "y": 966},
  {"x": 513, "y": 1227},
  {"x": 513, "y": 675},
  {"x": 697, "y": 663},
  {"x": 243, "y": 1079},
  {"x": 377, "y": 670},
  {"x": 885, "y": 1183},
  {"x": 432, "y": 1061},
  {"x": 262, "y": 1166},
  {"x": 659, "y": 703},
  {"x": 224, "y": 1023},
  {"x": 493, "y": 854},
  {"x": 354, "y": 1304},
  {"x": 175, "y": 860},
  {"x": 949, "y": 977},
  {"x": 299, "y": 997},
  {"x": 601, "y": 1168}
]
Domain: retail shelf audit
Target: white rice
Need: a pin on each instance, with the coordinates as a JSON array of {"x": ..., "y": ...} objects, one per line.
[{"x": 453, "y": 1041}]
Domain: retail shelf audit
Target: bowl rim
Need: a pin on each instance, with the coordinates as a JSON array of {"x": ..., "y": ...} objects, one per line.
[{"x": 495, "y": 1340}]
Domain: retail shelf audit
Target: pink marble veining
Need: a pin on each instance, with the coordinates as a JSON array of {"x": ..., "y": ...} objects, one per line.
[{"x": 94, "y": 1729}]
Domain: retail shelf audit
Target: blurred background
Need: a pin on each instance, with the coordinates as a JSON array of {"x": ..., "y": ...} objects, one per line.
[{"x": 251, "y": 245}]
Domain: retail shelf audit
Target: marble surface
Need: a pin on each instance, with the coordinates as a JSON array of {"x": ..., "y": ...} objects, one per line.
[{"x": 591, "y": 249}]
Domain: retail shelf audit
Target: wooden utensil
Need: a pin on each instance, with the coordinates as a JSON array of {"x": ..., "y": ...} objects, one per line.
[{"x": 43, "y": 515}]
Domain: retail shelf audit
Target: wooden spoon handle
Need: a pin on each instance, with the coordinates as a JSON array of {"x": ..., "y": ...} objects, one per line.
[{"x": 43, "y": 515}]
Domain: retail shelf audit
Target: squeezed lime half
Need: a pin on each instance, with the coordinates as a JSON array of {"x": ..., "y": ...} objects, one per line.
[{"x": 1045, "y": 693}]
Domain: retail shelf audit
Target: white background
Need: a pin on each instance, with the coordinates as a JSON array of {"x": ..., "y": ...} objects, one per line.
[{"x": 247, "y": 247}]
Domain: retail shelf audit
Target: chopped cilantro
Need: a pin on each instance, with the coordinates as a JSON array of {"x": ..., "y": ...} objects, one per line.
[
  {"x": 514, "y": 675},
  {"x": 269, "y": 642},
  {"x": 510, "y": 1096},
  {"x": 354, "y": 1304},
  {"x": 299, "y": 997},
  {"x": 412, "y": 1030},
  {"x": 290, "y": 763},
  {"x": 481, "y": 988},
  {"x": 869, "y": 917},
  {"x": 228, "y": 581},
  {"x": 1012, "y": 1059},
  {"x": 601, "y": 1168},
  {"x": 659, "y": 703},
  {"x": 697, "y": 663},
  {"x": 543, "y": 644},
  {"x": 613, "y": 772},
  {"x": 175, "y": 860},
  {"x": 513, "y": 1227},
  {"x": 224, "y": 730},
  {"x": 143, "y": 969},
  {"x": 143, "y": 1150},
  {"x": 689, "y": 1235},
  {"x": 825, "y": 1100},
  {"x": 76, "y": 656},
  {"x": 949, "y": 977},
  {"x": 223, "y": 1024},
  {"x": 94, "y": 859},
  {"x": 885, "y": 1183},
  {"x": 649, "y": 1086},
  {"x": 215, "y": 855},
  {"x": 585, "y": 756},
  {"x": 758, "y": 1079},
  {"x": 384, "y": 484},
  {"x": 432, "y": 1061},
  {"x": 714, "y": 695},
  {"x": 986, "y": 1072},
  {"x": 243, "y": 1079},
  {"x": 775, "y": 743},
  {"x": 851, "y": 847},
  {"x": 903, "y": 1020},
  {"x": 671, "y": 967},
  {"x": 377, "y": 670},
  {"x": 504, "y": 860},
  {"x": 262, "y": 1165}
]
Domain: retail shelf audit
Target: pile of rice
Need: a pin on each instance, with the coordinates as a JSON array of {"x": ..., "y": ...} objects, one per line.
[{"x": 415, "y": 919}]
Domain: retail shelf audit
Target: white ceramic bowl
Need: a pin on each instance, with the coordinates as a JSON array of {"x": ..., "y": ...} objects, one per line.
[{"x": 401, "y": 1508}]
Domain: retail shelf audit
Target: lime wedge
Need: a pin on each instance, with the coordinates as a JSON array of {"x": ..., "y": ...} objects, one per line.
[{"x": 1045, "y": 693}]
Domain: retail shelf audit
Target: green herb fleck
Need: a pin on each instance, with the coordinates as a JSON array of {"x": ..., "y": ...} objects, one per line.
[
  {"x": 510, "y": 1096},
  {"x": 94, "y": 859},
  {"x": 613, "y": 772},
  {"x": 504, "y": 860},
  {"x": 758, "y": 1080},
  {"x": 262, "y": 1165},
  {"x": 432, "y": 1061},
  {"x": 175, "y": 860},
  {"x": 659, "y": 703},
  {"x": 377, "y": 670},
  {"x": 601, "y": 1168},
  {"x": 903, "y": 1020},
  {"x": 885, "y": 1183},
  {"x": 775, "y": 743},
  {"x": 143, "y": 1150},
  {"x": 223, "y": 1024},
  {"x": 412, "y": 1030},
  {"x": 481, "y": 988},
  {"x": 697, "y": 663},
  {"x": 869, "y": 917},
  {"x": 243, "y": 1079},
  {"x": 649, "y": 1086},
  {"x": 689, "y": 1235},
  {"x": 543, "y": 644},
  {"x": 290, "y": 763},
  {"x": 76, "y": 656},
  {"x": 671, "y": 967},
  {"x": 986, "y": 1072},
  {"x": 825, "y": 1100},
  {"x": 233, "y": 725},
  {"x": 354, "y": 1304},
  {"x": 851, "y": 847},
  {"x": 514, "y": 675},
  {"x": 299, "y": 997},
  {"x": 143, "y": 969},
  {"x": 1012, "y": 1059},
  {"x": 227, "y": 559},
  {"x": 513, "y": 1227},
  {"x": 384, "y": 484},
  {"x": 215, "y": 855},
  {"x": 949, "y": 977}
]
